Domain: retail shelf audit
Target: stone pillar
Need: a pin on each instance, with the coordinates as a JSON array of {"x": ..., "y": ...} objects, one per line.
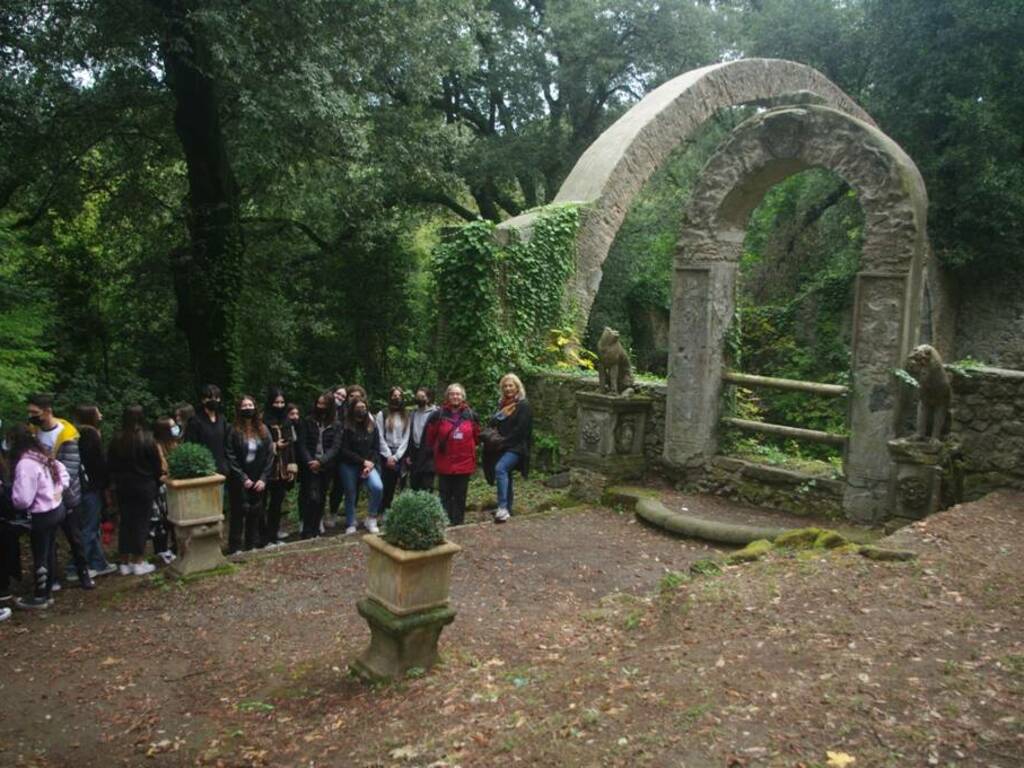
[
  {"x": 703, "y": 303},
  {"x": 610, "y": 434},
  {"x": 198, "y": 545},
  {"x": 925, "y": 475},
  {"x": 399, "y": 643},
  {"x": 880, "y": 344}
]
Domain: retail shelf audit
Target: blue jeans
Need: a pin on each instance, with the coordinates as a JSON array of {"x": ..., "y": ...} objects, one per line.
[
  {"x": 503, "y": 478},
  {"x": 351, "y": 480},
  {"x": 89, "y": 521}
]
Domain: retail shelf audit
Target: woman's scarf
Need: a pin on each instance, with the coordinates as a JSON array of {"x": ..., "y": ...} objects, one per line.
[{"x": 506, "y": 407}]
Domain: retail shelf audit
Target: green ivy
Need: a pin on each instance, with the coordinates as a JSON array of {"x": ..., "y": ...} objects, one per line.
[{"x": 497, "y": 304}]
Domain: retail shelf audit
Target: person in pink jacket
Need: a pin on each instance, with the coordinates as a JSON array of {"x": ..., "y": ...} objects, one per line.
[{"x": 38, "y": 489}]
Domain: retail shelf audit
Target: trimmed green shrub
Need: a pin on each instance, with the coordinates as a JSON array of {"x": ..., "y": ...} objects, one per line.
[
  {"x": 416, "y": 521},
  {"x": 191, "y": 460}
]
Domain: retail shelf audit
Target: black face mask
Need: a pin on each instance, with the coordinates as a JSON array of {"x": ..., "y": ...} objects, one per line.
[
  {"x": 396, "y": 404},
  {"x": 277, "y": 410},
  {"x": 211, "y": 405},
  {"x": 247, "y": 413},
  {"x": 320, "y": 411},
  {"x": 360, "y": 415},
  {"x": 421, "y": 402},
  {"x": 35, "y": 421}
]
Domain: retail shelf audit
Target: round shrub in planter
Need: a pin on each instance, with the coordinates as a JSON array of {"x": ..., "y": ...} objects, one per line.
[
  {"x": 194, "y": 488},
  {"x": 416, "y": 521},
  {"x": 410, "y": 564}
]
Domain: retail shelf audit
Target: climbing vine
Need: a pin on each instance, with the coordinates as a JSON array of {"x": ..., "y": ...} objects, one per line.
[{"x": 497, "y": 303}]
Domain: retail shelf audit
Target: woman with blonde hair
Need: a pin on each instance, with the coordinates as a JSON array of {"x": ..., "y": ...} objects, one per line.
[
  {"x": 512, "y": 425},
  {"x": 452, "y": 434}
]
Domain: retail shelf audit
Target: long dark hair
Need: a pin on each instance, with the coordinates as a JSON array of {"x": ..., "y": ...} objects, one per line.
[
  {"x": 87, "y": 416},
  {"x": 389, "y": 420},
  {"x": 254, "y": 427},
  {"x": 330, "y": 414},
  {"x": 162, "y": 434},
  {"x": 350, "y": 418},
  {"x": 22, "y": 440},
  {"x": 134, "y": 438}
]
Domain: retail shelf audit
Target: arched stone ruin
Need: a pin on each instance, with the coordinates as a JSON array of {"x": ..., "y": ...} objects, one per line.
[
  {"x": 760, "y": 153},
  {"x": 613, "y": 170}
]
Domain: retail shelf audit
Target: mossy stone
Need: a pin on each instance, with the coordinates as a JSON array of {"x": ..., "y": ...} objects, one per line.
[
  {"x": 799, "y": 538},
  {"x": 755, "y": 550},
  {"x": 829, "y": 540}
]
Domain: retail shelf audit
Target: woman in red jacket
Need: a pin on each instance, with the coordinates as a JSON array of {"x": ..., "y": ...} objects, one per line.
[{"x": 452, "y": 434}]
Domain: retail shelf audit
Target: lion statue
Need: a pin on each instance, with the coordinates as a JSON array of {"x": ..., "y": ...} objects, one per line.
[
  {"x": 936, "y": 394},
  {"x": 614, "y": 371}
]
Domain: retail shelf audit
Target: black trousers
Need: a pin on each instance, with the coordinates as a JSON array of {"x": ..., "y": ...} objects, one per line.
[
  {"x": 43, "y": 537},
  {"x": 276, "y": 492},
  {"x": 133, "y": 527},
  {"x": 393, "y": 480},
  {"x": 72, "y": 527},
  {"x": 312, "y": 493},
  {"x": 421, "y": 481},
  {"x": 10, "y": 554},
  {"x": 452, "y": 490},
  {"x": 246, "y": 518},
  {"x": 337, "y": 492}
]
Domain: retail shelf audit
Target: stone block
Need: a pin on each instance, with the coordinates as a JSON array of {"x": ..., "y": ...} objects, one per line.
[{"x": 399, "y": 643}]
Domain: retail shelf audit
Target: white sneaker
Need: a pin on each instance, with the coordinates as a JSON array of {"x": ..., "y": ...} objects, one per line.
[
  {"x": 55, "y": 587},
  {"x": 5, "y": 614},
  {"x": 371, "y": 525},
  {"x": 141, "y": 569},
  {"x": 167, "y": 556},
  {"x": 502, "y": 515},
  {"x": 350, "y": 530},
  {"x": 125, "y": 569},
  {"x": 330, "y": 522}
]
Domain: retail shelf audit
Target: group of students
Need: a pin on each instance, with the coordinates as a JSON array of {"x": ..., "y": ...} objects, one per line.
[{"x": 56, "y": 475}]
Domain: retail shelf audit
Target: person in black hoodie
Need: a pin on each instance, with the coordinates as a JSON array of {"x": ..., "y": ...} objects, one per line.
[
  {"x": 360, "y": 449},
  {"x": 94, "y": 486},
  {"x": 316, "y": 451},
  {"x": 250, "y": 457},
  {"x": 512, "y": 429},
  {"x": 209, "y": 427},
  {"x": 135, "y": 471},
  {"x": 282, "y": 474}
]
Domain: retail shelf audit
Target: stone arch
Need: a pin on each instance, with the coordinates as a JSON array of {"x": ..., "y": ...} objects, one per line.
[
  {"x": 761, "y": 152},
  {"x": 613, "y": 170}
]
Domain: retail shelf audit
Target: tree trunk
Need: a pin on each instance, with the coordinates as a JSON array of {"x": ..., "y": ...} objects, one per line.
[{"x": 207, "y": 272}]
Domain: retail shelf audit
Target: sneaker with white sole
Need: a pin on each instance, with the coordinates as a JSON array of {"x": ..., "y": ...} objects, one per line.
[
  {"x": 167, "y": 556},
  {"x": 502, "y": 515},
  {"x": 55, "y": 587},
  {"x": 125, "y": 569},
  {"x": 5, "y": 614},
  {"x": 371, "y": 525},
  {"x": 111, "y": 568},
  {"x": 33, "y": 603},
  {"x": 350, "y": 530},
  {"x": 141, "y": 569}
]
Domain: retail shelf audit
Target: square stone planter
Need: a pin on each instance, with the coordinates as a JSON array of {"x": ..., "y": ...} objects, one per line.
[
  {"x": 196, "y": 509},
  {"x": 198, "y": 498},
  {"x": 407, "y": 582}
]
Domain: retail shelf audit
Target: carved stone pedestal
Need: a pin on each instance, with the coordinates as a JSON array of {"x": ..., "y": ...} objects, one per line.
[
  {"x": 925, "y": 476},
  {"x": 610, "y": 435},
  {"x": 198, "y": 546},
  {"x": 399, "y": 643}
]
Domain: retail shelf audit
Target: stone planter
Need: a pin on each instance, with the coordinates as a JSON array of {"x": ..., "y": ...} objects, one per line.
[
  {"x": 404, "y": 581},
  {"x": 406, "y": 607},
  {"x": 196, "y": 509}
]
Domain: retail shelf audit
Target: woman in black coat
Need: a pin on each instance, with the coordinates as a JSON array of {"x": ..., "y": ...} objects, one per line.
[
  {"x": 512, "y": 423},
  {"x": 249, "y": 453},
  {"x": 134, "y": 469},
  {"x": 316, "y": 451}
]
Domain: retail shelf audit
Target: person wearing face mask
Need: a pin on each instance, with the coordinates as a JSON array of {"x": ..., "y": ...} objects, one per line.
[
  {"x": 208, "y": 427},
  {"x": 94, "y": 486},
  {"x": 135, "y": 471},
  {"x": 316, "y": 450},
  {"x": 340, "y": 394},
  {"x": 167, "y": 436},
  {"x": 452, "y": 434},
  {"x": 250, "y": 456},
  {"x": 284, "y": 469},
  {"x": 393, "y": 428},
  {"x": 419, "y": 457},
  {"x": 360, "y": 449}
]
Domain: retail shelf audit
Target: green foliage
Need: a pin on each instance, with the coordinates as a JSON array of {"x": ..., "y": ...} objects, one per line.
[
  {"x": 496, "y": 304},
  {"x": 416, "y": 521},
  {"x": 190, "y": 460},
  {"x": 565, "y": 352}
]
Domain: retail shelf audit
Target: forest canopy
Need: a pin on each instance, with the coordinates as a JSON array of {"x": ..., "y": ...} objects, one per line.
[{"x": 253, "y": 193}]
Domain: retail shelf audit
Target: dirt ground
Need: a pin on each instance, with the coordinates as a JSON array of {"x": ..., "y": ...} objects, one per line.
[{"x": 581, "y": 640}]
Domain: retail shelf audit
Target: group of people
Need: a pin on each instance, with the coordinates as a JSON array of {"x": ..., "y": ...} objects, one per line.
[{"x": 57, "y": 476}]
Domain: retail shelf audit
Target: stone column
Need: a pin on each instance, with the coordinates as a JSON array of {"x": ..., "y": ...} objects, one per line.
[
  {"x": 703, "y": 303},
  {"x": 880, "y": 344}
]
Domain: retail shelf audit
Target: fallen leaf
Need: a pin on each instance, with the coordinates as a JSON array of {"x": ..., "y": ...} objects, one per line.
[{"x": 839, "y": 759}]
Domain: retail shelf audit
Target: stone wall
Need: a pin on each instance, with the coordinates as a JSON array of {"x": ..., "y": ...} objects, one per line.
[
  {"x": 553, "y": 397},
  {"x": 988, "y": 421},
  {"x": 990, "y": 322}
]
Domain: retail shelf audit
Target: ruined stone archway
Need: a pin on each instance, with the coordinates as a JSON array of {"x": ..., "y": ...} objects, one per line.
[
  {"x": 613, "y": 170},
  {"x": 761, "y": 152}
]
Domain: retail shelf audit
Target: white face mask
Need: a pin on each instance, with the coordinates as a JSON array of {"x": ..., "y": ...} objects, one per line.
[{"x": 175, "y": 431}]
